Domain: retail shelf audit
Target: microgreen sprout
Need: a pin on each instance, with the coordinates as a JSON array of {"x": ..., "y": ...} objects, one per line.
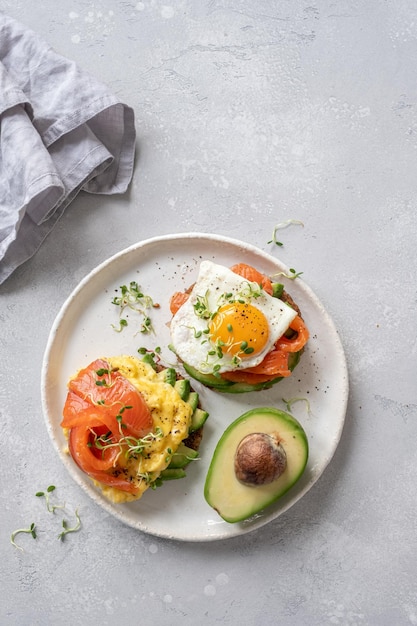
[
  {"x": 122, "y": 324},
  {"x": 132, "y": 298},
  {"x": 219, "y": 348},
  {"x": 245, "y": 348},
  {"x": 280, "y": 226},
  {"x": 155, "y": 353},
  {"x": 290, "y": 402},
  {"x": 146, "y": 326},
  {"x": 201, "y": 307},
  {"x": 51, "y": 507},
  {"x": 146, "y": 476},
  {"x": 294, "y": 274},
  {"x": 102, "y": 371},
  {"x": 152, "y": 357},
  {"x": 132, "y": 446},
  {"x": 216, "y": 370},
  {"x": 291, "y": 274},
  {"x": 105, "y": 382},
  {"x": 30, "y": 531},
  {"x": 247, "y": 292},
  {"x": 197, "y": 333},
  {"x": 252, "y": 290},
  {"x": 67, "y": 529},
  {"x": 102, "y": 383}
]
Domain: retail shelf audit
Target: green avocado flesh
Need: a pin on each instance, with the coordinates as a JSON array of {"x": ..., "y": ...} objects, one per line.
[
  {"x": 235, "y": 501},
  {"x": 226, "y": 386}
]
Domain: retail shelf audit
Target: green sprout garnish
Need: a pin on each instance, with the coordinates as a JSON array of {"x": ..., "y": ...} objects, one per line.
[
  {"x": 68, "y": 530},
  {"x": 105, "y": 382},
  {"x": 152, "y": 357},
  {"x": 289, "y": 403},
  {"x": 146, "y": 326},
  {"x": 245, "y": 348},
  {"x": 216, "y": 369},
  {"x": 30, "y": 531},
  {"x": 51, "y": 507},
  {"x": 292, "y": 274},
  {"x": 279, "y": 227},
  {"x": 197, "y": 333},
  {"x": 155, "y": 353},
  {"x": 122, "y": 324},
  {"x": 131, "y": 297},
  {"x": 252, "y": 290},
  {"x": 146, "y": 476},
  {"x": 201, "y": 307},
  {"x": 102, "y": 371},
  {"x": 132, "y": 446},
  {"x": 218, "y": 349}
]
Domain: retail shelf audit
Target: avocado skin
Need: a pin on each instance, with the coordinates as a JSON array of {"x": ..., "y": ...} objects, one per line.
[
  {"x": 236, "y": 502},
  {"x": 227, "y": 386}
]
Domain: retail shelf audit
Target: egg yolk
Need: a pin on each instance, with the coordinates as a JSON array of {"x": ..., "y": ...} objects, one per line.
[{"x": 240, "y": 329}]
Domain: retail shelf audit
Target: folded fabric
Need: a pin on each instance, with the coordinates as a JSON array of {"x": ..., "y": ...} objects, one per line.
[{"x": 61, "y": 131}]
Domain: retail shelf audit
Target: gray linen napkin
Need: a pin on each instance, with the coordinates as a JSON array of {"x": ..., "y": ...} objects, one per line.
[{"x": 61, "y": 131}]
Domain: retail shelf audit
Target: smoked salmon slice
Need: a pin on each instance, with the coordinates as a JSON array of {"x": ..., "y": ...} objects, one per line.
[
  {"x": 101, "y": 410},
  {"x": 177, "y": 300},
  {"x": 253, "y": 275},
  {"x": 110, "y": 394}
]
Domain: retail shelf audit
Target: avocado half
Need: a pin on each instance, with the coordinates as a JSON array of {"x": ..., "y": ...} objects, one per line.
[
  {"x": 227, "y": 386},
  {"x": 235, "y": 500}
]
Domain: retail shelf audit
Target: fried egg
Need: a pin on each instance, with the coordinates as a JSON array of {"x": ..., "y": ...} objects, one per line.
[{"x": 228, "y": 322}]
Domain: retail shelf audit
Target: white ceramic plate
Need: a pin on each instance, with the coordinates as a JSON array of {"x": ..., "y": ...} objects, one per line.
[{"x": 83, "y": 331}]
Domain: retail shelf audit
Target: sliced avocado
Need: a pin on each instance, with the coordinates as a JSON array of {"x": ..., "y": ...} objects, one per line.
[
  {"x": 172, "y": 474},
  {"x": 198, "y": 418},
  {"x": 193, "y": 399},
  {"x": 235, "y": 500},
  {"x": 207, "y": 379},
  {"x": 182, "y": 457},
  {"x": 246, "y": 387},
  {"x": 170, "y": 375},
  {"x": 226, "y": 386},
  {"x": 277, "y": 290},
  {"x": 183, "y": 387}
]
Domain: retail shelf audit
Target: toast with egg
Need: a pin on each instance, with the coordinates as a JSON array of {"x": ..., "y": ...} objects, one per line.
[
  {"x": 131, "y": 424},
  {"x": 235, "y": 330}
]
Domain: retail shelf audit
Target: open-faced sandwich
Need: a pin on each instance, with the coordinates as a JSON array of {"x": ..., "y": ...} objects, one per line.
[
  {"x": 131, "y": 424},
  {"x": 235, "y": 330}
]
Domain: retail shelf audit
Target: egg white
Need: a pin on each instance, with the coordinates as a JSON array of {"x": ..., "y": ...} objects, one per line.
[{"x": 189, "y": 336}]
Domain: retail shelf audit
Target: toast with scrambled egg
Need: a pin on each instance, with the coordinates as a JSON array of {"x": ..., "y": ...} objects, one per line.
[{"x": 131, "y": 424}]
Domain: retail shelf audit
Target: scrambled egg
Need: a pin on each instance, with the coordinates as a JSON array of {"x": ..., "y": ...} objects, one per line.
[{"x": 171, "y": 417}]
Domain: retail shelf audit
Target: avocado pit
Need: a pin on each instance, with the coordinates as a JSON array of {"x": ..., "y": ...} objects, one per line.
[{"x": 259, "y": 459}]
